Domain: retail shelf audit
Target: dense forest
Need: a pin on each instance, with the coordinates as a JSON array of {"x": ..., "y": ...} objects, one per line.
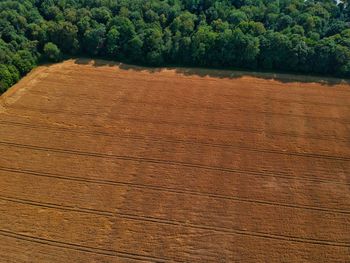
[{"x": 276, "y": 35}]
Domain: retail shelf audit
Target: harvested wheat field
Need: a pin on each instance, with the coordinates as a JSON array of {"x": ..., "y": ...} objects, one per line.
[{"x": 108, "y": 163}]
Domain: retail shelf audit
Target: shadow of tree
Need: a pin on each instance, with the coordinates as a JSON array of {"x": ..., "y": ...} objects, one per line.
[{"x": 219, "y": 73}]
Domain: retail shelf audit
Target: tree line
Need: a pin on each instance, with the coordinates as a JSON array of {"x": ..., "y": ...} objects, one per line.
[{"x": 284, "y": 35}]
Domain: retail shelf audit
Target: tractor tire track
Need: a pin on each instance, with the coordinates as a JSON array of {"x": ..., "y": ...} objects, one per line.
[
  {"x": 173, "y": 190},
  {"x": 182, "y": 124},
  {"x": 169, "y": 162},
  {"x": 221, "y": 230},
  {"x": 82, "y": 248},
  {"x": 84, "y": 131}
]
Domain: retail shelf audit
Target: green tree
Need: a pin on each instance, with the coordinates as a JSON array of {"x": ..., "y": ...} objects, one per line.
[
  {"x": 52, "y": 52},
  {"x": 297, "y": 35},
  {"x": 6, "y": 79},
  {"x": 94, "y": 39},
  {"x": 274, "y": 51},
  {"x": 203, "y": 43},
  {"x": 112, "y": 42},
  {"x": 24, "y": 61},
  {"x": 64, "y": 35},
  {"x": 153, "y": 45},
  {"x": 134, "y": 49},
  {"x": 126, "y": 31}
]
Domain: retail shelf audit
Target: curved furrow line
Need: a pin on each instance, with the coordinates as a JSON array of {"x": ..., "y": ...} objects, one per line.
[
  {"x": 242, "y": 232},
  {"x": 186, "y": 224},
  {"x": 57, "y": 206},
  {"x": 82, "y": 248},
  {"x": 174, "y": 190},
  {"x": 266, "y": 173},
  {"x": 207, "y": 126},
  {"x": 144, "y": 138}
]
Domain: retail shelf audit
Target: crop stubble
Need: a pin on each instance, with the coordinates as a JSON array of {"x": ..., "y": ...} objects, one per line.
[{"x": 105, "y": 164}]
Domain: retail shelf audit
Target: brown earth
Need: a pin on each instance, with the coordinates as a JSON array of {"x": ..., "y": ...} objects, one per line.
[{"x": 113, "y": 163}]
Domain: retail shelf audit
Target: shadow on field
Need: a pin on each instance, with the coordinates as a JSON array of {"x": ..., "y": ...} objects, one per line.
[{"x": 219, "y": 73}]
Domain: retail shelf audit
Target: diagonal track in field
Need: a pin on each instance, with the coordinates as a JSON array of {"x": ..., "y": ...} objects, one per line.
[
  {"x": 156, "y": 220},
  {"x": 171, "y": 140},
  {"x": 173, "y": 190},
  {"x": 285, "y": 187},
  {"x": 168, "y": 162},
  {"x": 163, "y": 122},
  {"x": 83, "y": 248}
]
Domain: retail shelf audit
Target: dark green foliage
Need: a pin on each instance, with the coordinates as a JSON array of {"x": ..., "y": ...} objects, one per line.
[
  {"x": 64, "y": 34},
  {"x": 9, "y": 75},
  {"x": 52, "y": 52},
  {"x": 94, "y": 39},
  {"x": 112, "y": 42},
  {"x": 5, "y": 78},
  {"x": 290, "y": 35},
  {"x": 24, "y": 61},
  {"x": 133, "y": 49}
]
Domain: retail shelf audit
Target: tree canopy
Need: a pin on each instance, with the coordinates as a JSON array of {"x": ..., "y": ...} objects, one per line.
[{"x": 284, "y": 35}]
